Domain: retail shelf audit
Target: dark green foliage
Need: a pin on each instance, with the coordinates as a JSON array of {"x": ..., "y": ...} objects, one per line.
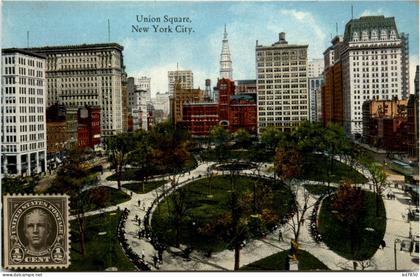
[
  {"x": 337, "y": 235},
  {"x": 280, "y": 262},
  {"x": 18, "y": 184},
  {"x": 101, "y": 251}
]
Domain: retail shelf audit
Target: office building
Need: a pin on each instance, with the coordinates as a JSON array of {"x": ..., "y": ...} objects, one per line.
[
  {"x": 183, "y": 78},
  {"x": 23, "y": 102},
  {"x": 282, "y": 85},
  {"x": 88, "y": 74}
]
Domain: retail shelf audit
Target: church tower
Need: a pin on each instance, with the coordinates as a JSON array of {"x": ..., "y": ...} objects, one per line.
[{"x": 225, "y": 60}]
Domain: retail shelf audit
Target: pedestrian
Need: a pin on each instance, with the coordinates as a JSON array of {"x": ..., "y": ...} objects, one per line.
[
  {"x": 131, "y": 194},
  {"x": 138, "y": 202},
  {"x": 143, "y": 207},
  {"x": 155, "y": 260},
  {"x": 142, "y": 254},
  {"x": 139, "y": 234},
  {"x": 139, "y": 221},
  {"x": 302, "y": 221},
  {"x": 160, "y": 254},
  {"x": 136, "y": 217},
  {"x": 280, "y": 236}
]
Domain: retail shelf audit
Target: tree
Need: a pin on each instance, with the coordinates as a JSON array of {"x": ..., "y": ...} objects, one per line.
[
  {"x": 118, "y": 148},
  {"x": 220, "y": 137},
  {"x": 336, "y": 143},
  {"x": 72, "y": 177},
  {"x": 348, "y": 206},
  {"x": 271, "y": 137},
  {"x": 242, "y": 138},
  {"x": 179, "y": 212},
  {"x": 142, "y": 155},
  {"x": 18, "y": 184},
  {"x": 288, "y": 163},
  {"x": 378, "y": 179},
  {"x": 309, "y": 137}
]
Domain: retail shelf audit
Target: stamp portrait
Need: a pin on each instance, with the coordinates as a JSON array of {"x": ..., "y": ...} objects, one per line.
[{"x": 36, "y": 231}]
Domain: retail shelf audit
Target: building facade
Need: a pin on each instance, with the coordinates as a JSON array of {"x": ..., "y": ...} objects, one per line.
[
  {"x": 282, "y": 85},
  {"x": 138, "y": 98},
  {"x": 88, "y": 74},
  {"x": 332, "y": 88},
  {"x": 183, "y": 96},
  {"x": 315, "y": 68},
  {"x": 183, "y": 78},
  {"x": 24, "y": 97},
  {"x": 371, "y": 59},
  {"x": 231, "y": 111},
  {"x": 314, "y": 86},
  {"x": 89, "y": 127},
  {"x": 405, "y": 65},
  {"x": 384, "y": 124}
]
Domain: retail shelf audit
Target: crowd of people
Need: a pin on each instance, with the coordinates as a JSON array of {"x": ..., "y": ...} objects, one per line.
[
  {"x": 314, "y": 226},
  {"x": 138, "y": 261}
]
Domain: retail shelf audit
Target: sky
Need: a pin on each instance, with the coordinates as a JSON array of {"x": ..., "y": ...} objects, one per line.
[{"x": 153, "y": 54}]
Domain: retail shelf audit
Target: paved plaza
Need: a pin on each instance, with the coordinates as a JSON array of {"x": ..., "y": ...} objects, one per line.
[{"x": 398, "y": 227}]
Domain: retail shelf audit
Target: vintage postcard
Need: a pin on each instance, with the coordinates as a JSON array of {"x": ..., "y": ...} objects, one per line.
[{"x": 209, "y": 136}]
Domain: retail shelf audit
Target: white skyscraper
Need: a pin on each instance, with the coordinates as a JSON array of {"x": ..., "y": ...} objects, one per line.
[
  {"x": 23, "y": 103},
  {"x": 371, "y": 66},
  {"x": 225, "y": 60},
  {"x": 282, "y": 85}
]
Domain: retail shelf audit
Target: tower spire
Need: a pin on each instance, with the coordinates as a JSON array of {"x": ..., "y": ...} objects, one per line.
[{"x": 225, "y": 60}]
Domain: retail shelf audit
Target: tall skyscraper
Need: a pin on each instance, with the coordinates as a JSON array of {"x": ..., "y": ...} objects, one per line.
[
  {"x": 88, "y": 74},
  {"x": 23, "y": 101},
  {"x": 183, "y": 78},
  {"x": 225, "y": 60},
  {"x": 371, "y": 59},
  {"x": 282, "y": 84}
]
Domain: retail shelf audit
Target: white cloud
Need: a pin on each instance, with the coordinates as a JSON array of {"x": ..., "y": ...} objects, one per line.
[{"x": 379, "y": 11}]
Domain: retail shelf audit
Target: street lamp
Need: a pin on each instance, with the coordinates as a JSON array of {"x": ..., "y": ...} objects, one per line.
[{"x": 395, "y": 252}]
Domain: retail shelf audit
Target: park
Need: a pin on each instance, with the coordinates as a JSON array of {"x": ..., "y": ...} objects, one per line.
[{"x": 308, "y": 200}]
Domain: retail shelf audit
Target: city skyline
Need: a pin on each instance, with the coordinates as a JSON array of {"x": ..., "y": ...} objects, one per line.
[{"x": 152, "y": 54}]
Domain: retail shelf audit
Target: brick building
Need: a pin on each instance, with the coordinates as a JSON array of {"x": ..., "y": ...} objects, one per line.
[
  {"x": 232, "y": 111},
  {"x": 384, "y": 124},
  {"x": 89, "y": 126}
]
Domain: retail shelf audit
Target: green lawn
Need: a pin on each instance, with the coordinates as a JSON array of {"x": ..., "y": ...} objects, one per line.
[
  {"x": 316, "y": 167},
  {"x": 206, "y": 201},
  {"x": 280, "y": 261},
  {"x": 102, "y": 251},
  {"x": 134, "y": 174},
  {"x": 337, "y": 236},
  {"x": 99, "y": 198},
  {"x": 319, "y": 189},
  {"x": 137, "y": 187}
]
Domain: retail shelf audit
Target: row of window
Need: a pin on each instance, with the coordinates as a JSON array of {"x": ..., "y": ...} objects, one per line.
[{"x": 263, "y": 114}]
